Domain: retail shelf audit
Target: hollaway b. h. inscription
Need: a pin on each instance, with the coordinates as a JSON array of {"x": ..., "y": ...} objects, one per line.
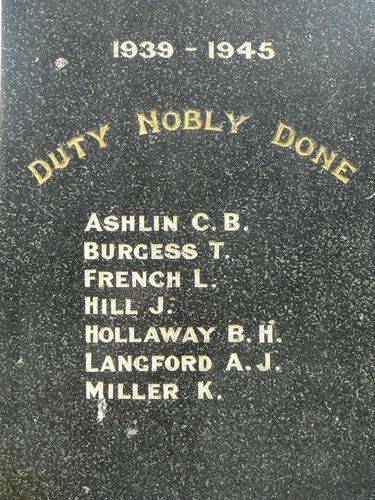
[
  {"x": 187, "y": 290},
  {"x": 114, "y": 299}
]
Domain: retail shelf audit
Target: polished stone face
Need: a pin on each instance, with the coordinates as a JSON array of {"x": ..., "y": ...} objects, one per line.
[{"x": 304, "y": 260}]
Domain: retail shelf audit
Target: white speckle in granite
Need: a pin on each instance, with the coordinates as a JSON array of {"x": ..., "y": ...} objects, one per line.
[
  {"x": 131, "y": 431},
  {"x": 102, "y": 409},
  {"x": 60, "y": 63}
]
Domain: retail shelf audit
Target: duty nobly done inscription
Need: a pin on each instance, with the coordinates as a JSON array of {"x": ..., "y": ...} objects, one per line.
[{"x": 204, "y": 121}]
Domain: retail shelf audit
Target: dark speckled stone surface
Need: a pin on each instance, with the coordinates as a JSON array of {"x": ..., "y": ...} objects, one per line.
[{"x": 303, "y": 433}]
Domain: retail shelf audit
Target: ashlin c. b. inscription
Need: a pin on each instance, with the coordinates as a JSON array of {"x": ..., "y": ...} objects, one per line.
[{"x": 115, "y": 301}]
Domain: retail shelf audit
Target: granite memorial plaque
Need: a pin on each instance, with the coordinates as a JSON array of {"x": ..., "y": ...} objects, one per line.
[{"x": 186, "y": 252}]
